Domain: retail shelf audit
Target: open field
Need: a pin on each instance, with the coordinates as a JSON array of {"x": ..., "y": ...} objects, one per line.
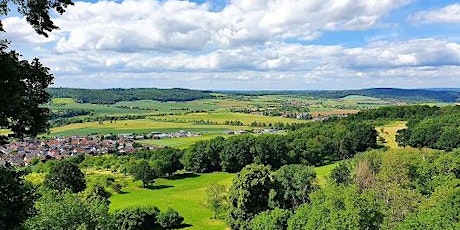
[
  {"x": 223, "y": 117},
  {"x": 137, "y": 126},
  {"x": 183, "y": 142},
  {"x": 323, "y": 172},
  {"x": 186, "y": 195},
  {"x": 388, "y": 132}
]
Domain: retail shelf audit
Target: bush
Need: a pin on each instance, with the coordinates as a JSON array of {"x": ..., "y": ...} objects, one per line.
[
  {"x": 137, "y": 218},
  {"x": 117, "y": 187},
  {"x": 170, "y": 219}
]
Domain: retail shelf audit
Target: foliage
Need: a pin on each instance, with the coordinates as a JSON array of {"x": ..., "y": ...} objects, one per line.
[
  {"x": 276, "y": 219},
  {"x": 237, "y": 153},
  {"x": 16, "y": 199},
  {"x": 111, "y": 96},
  {"x": 339, "y": 208},
  {"x": 65, "y": 175},
  {"x": 249, "y": 195},
  {"x": 23, "y": 91},
  {"x": 165, "y": 161},
  {"x": 341, "y": 174},
  {"x": 203, "y": 156},
  {"x": 66, "y": 210},
  {"x": 170, "y": 219},
  {"x": 216, "y": 198},
  {"x": 144, "y": 172},
  {"x": 292, "y": 185},
  {"x": 136, "y": 218}
]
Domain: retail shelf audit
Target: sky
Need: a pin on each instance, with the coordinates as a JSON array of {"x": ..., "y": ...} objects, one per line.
[{"x": 248, "y": 44}]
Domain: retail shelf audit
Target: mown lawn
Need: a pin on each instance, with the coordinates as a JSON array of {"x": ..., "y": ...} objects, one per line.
[{"x": 186, "y": 195}]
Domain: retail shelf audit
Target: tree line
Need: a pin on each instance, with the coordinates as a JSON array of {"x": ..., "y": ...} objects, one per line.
[
  {"x": 316, "y": 144},
  {"x": 111, "y": 96}
]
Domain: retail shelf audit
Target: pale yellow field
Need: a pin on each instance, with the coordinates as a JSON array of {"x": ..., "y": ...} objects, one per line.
[
  {"x": 4, "y": 131},
  {"x": 388, "y": 132},
  {"x": 221, "y": 118}
]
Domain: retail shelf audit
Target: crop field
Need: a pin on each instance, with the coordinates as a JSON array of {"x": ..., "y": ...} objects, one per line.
[
  {"x": 186, "y": 195},
  {"x": 137, "y": 126},
  {"x": 222, "y": 118}
]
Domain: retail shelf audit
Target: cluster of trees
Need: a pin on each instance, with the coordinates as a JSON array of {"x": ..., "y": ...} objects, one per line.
[
  {"x": 377, "y": 190},
  {"x": 111, "y": 96},
  {"x": 316, "y": 144},
  {"x": 437, "y": 132},
  {"x": 65, "y": 202}
]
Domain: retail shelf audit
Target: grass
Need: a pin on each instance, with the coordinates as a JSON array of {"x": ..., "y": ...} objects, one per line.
[
  {"x": 62, "y": 101},
  {"x": 181, "y": 143},
  {"x": 323, "y": 172},
  {"x": 222, "y": 117},
  {"x": 388, "y": 132},
  {"x": 137, "y": 126},
  {"x": 186, "y": 195}
]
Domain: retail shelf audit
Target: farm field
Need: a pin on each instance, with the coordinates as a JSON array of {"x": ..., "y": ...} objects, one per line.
[
  {"x": 137, "y": 126},
  {"x": 183, "y": 142},
  {"x": 223, "y": 117}
]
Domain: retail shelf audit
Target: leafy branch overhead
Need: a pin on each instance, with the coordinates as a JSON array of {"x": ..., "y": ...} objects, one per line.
[{"x": 36, "y": 12}]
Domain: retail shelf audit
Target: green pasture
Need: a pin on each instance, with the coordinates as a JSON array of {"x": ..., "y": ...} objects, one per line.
[
  {"x": 186, "y": 194},
  {"x": 62, "y": 101},
  {"x": 141, "y": 126},
  {"x": 183, "y": 142}
]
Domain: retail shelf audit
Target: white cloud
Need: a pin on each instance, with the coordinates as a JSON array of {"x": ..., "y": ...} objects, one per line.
[
  {"x": 139, "y": 25},
  {"x": 447, "y": 14}
]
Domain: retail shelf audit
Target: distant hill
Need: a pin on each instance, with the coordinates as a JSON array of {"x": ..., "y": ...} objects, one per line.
[
  {"x": 438, "y": 95},
  {"x": 111, "y": 96}
]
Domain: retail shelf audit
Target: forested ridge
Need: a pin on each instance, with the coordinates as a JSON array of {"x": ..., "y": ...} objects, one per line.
[
  {"x": 440, "y": 95},
  {"x": 111, "y": 96}
]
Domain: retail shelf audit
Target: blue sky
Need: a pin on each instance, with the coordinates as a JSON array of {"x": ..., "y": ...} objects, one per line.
[{"x": 257, "y": 44}]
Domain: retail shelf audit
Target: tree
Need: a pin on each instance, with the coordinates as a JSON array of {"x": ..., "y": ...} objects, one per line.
[
  {"x": 144, "y": 172},
  {"x": 66, "y": 210},
  {"x": 23, "y": 84},
  {"x": 216, "y": 197},
  {"x": 65, "y": 175},
  {"x": 136, "y": 218},
  {"x": 167, "y": 161},
  {"x": 249, "y": 195},
  {"x": 293, "y": 184},
  {"x": 23, "y": 87},
  {"x": 341, "y": 174},
  {"x": 276, "y": 219},
  {"x": 16, "y": 199},
  {"x": 170, "y": 219},
  {"x": 37, "y": 13},
  {"x": 237, "y": 153}
]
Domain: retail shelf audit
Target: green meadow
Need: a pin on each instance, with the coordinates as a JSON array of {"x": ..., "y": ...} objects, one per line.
[{"x": 186, "y": 194}]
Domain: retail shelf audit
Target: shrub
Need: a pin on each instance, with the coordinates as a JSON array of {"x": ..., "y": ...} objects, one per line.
[{"x": 170, "y": 219}]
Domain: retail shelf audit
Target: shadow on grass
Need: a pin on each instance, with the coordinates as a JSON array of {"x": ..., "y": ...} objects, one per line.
[
  {"x": 156, "y": 187},
  {"x": 180, "y": 227},
  {"x": 122, "y": 192},
  {"x": 184, "y": 176}
]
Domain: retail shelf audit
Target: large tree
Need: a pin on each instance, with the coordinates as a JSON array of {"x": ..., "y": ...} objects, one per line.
[
  {"x": 249, "y": 195},
  {"x": 23, "y": 83},
  {"x": 16, "y": 199},
  {"x": 65, "y": 175}
]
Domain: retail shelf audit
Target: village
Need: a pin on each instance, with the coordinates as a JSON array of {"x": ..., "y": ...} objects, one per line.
[{"x": 22, "y": 153}]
